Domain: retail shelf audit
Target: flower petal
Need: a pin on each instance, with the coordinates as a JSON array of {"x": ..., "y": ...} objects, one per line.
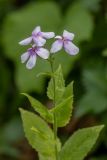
[
  {"x": 68, "y": 35},
  {"x": 31, "y": 62},
  {"x": 39, "y": 41},
  {"x": 70, "y": 48},
  {"x": 26, "y": 41},
  {"x": 24, "y": 57},
  {"x": 56, "y": 46},
  {"x": 36, "y": 30},
  {"x": 48, "y": 35},
  {"x": 43, "y": 53}
]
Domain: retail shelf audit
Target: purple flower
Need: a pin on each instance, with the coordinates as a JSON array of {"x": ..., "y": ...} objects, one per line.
[
  {"x": 38, "y": 37},
  {"x": 66, "y": 42},
  {"x": 31, "y": 55}
]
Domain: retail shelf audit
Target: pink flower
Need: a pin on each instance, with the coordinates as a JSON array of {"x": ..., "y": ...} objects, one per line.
[
  {"x": 38, "y": 37},
  {"x": 66, "y": 42},
  {"x": 31, "y": 55}
]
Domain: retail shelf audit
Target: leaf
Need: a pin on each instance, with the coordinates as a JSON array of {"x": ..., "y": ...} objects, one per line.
[
  {"x": 78, "y": 145},
  {"x": 38, "y": 133},
  {"x": 59, "y": 85},
  {"x": 68, "y": 91},
  {"x": 42, "y": 157},
  {"x": 64, "y": 109},
  {"x": 77, "y": 18},
  {"x": 63, "y": 112},
  {"x": 39, "y": 107}
]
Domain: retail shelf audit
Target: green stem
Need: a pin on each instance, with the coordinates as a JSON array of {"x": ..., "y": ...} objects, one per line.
[{"x": 54, "y": 104}]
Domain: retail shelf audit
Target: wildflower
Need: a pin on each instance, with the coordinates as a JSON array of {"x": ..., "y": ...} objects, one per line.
[
  {"x": 31, "y": 55},
  {"x": 66, "y": 42},
  {"x": 38, "y": 37}
]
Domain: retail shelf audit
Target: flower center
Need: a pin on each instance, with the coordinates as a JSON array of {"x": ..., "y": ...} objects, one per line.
[
  {"x": 37, "y": 34},
  {"x": 33, "y": 51}
]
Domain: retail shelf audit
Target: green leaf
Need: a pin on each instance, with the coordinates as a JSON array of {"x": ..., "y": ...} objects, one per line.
[
  {"x": 78, "y": 145},
  {"x": 39, "y": 108},
  {"x": 59, "y": 85},
  {"x": 63, "y": 110},
  {"x": 68, "y": 91},
  {"x": 38, "y": 133},
  {"x": 41, "y": 157},
  {"x": 44, "y": 157},
  {"x": 77, "y": 18}
]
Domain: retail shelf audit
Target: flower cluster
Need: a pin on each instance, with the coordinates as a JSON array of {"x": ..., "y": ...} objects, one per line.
[{"x": 38, "y": 40}]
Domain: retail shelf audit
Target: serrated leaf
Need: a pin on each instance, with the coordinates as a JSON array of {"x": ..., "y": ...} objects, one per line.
[
  {"x": 59, "y": 85},
  {"x": 63, "y": 110},
  {"x": 39, "y": 108},
  {"x": 68, "y": 91},
  {"x": 80, "y": 143},
  {"x": 38, "y": 133}
]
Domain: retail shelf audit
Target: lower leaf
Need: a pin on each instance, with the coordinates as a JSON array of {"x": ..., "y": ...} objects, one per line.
[
  {"x": 78, "y": 145},
  {"x": 39, "y": 134}
]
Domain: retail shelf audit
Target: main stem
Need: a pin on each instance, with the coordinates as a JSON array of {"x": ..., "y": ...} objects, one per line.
[{"x": 54, "y": 104}]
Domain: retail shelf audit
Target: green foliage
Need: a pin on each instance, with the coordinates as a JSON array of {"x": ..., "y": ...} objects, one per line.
[
  {"x": 63, "y": 98},
  {"x": 39, "y": 108},
  {"x": 59, "y": 85},
  {"x": 63, "y": 110},
  {"x": 42, "y": 157},
  {"x": 39, "y": 134},
  {"x": 78, "y": 145}
]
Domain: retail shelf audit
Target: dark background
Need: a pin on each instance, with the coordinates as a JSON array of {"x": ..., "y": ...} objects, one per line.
[{"x": 88, "y": 20}]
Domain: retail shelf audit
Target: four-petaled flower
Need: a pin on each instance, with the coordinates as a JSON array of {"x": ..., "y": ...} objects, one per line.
[
  {"x": 38, "y": 37},
  {"x": 66, "y": 42},
  {"x": 31, "y": 55}
]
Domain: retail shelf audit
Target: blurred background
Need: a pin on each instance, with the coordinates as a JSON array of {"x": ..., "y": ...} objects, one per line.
[{"x": 88, "y": 20}]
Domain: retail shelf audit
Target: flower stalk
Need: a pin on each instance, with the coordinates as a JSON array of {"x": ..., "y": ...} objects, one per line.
[{"x": 54, "y": 104}]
